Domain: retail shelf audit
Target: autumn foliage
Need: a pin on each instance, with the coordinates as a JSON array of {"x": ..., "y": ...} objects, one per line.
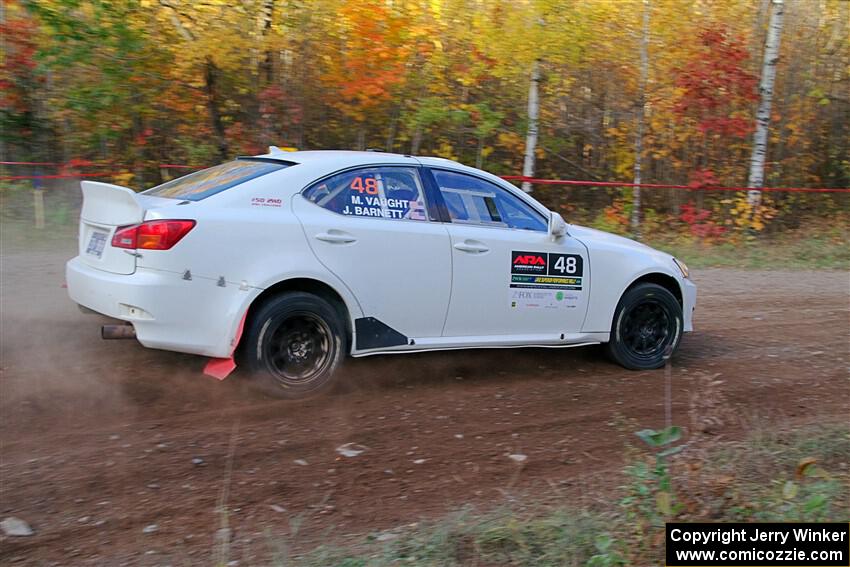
[{"x": 137, "y": 84}]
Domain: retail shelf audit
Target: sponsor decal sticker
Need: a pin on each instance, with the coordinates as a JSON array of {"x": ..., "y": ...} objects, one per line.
[
  {"x": 266, "y": 202},
  {"x": 543, "y": 263},
  {"x": 528, "y": 263},
  {"x": 542, "y": 280},
  {"x": 543, "y": 299}
]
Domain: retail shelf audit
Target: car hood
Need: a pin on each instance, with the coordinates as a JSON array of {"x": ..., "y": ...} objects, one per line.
[
  {"x": 591, "y": 236},
  {"x": 588, "y": 235}
]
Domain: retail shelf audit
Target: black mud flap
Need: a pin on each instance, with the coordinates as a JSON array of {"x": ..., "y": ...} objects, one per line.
[{"x": 372, "y": 333}]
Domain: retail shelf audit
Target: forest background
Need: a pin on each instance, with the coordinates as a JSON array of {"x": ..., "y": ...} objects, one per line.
[{"x": 131, "y": 85}]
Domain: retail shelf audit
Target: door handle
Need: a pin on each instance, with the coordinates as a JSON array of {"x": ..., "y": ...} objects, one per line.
[
  {"x": 472, "y": 246},
  {"x": 336, "y": 237}
]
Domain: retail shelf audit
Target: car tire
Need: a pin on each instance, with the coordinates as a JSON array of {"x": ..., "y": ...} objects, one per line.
[
  {"x": 647, "y": 321},
  {"x": 294, "y": 345}
]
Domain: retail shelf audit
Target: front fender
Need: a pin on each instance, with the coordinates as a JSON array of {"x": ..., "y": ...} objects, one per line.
[{"x": 614, "y": 271}]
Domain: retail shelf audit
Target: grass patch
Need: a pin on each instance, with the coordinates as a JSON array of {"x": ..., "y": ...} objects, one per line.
[
  {"x": 792, "y": 251},
  {"x": 17, "y": 218},
  {"x": 770, "y": 476},
  {"x": 18, "y": 236}
]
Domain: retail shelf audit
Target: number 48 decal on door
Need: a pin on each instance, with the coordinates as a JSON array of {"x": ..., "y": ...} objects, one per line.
[{"x": 565, "y": 264}]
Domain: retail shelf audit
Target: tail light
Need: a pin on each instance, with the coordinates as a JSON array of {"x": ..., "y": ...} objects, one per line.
[{"x": 152, "y": 235}]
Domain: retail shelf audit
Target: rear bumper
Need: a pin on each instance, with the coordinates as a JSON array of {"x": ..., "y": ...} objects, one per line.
[
  {"x": 689, "y": 303},
  {"x": 194, "y": 316}
]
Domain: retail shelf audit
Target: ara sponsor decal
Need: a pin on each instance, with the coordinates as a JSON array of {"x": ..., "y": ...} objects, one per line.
[
  {"x": 544, "y": 299},
  {"x": 543, "y": 263},
  {"x": 528, "y": 262}
]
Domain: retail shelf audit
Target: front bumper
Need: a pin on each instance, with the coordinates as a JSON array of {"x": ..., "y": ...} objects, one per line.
[
  {"x": 689, "y": 303},
  {"x": 194, "y": 316}
]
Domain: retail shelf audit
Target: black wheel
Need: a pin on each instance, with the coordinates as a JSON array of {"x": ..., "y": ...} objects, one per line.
[
  {"x": 294, "y": 344},
  {"x": 647, "y": 322}
]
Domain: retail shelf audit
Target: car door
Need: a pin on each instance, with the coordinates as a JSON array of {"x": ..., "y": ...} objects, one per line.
[
  {"x": 370, "y": 226},
  {"x": 511, "y": 281}
]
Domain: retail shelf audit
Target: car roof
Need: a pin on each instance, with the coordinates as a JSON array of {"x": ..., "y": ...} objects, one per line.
[
  {"x": 353, "y": 157},
  {"x": 337, "y": 157},
  {"x": 348, "y": 158}
]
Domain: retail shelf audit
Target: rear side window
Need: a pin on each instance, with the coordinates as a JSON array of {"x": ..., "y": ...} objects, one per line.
[
  {"x": 202, "y": 184},
  {"x": 377, "y": 192}
]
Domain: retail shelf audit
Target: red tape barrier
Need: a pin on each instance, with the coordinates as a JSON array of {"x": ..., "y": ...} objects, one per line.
[
  {"x": 78, "y": 164},
  {"x": 59, "y": 176},
  {"x": 664, "y": 186},
  {"x": 29, "y": 163}
]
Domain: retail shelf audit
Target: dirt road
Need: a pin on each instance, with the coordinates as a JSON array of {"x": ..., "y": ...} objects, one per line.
[{"x": 118, "y": 454}]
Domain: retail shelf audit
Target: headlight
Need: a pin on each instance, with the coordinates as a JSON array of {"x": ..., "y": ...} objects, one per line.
[{"x": 682, "y": 267}]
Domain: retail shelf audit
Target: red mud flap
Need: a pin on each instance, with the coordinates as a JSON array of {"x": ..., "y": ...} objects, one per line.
[{"x": 220, "y": 368}]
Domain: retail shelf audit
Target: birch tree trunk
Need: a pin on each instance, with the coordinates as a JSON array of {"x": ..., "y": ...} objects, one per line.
[
  {"x": 531, "y": 137},
  {"x": 768, "y": 75},
  {"x": 641, "y": 110},
  {"x": 3, "y": 155},
  {"x": 416, "y": 141}
]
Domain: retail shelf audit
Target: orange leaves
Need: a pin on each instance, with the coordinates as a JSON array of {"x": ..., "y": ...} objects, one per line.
[
  {"x": 18, "y": 62},
  {"x": 367, "y": 62}
]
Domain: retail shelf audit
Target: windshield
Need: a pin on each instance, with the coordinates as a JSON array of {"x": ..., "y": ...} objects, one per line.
[{"x": 202, "y": 184}]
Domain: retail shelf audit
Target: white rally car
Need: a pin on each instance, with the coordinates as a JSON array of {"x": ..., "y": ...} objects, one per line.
[{"x": 302, "y": 258}]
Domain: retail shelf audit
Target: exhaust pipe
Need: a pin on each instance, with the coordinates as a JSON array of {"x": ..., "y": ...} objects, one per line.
[{"x": 109, "y": 332}]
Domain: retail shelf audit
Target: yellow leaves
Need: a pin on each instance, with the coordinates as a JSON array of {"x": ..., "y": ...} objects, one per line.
[
  {"x": 445, "y": 150},
  {"x": 512, "y": 141},
  {"x": 123, "y": 179},
  {"x": 746, "y": 216}
]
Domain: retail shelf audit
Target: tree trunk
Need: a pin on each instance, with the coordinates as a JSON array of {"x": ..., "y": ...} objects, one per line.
[
  {"x": 416, "y": 141},
  {"x": 267, "y": 64},
  {"x": 768, "y": 75},
  {"x": 3, "y": 155},
  {"x": 210, "y": 86},
  {"x": 388, "y": 146},
  {"x": 531, "y": 137},
  {"x": 641, "y": 110}
]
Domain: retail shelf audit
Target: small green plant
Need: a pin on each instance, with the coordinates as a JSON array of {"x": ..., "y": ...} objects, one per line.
[
  {"x": 607, "y": 555},
  {"x": 650, "y": 499}
]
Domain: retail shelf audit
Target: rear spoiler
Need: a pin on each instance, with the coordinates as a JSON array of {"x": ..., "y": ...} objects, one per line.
[{"x": 104, "y": 203}]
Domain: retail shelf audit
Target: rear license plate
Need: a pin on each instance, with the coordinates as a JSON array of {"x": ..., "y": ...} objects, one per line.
[{"x": 97, "y": 242}]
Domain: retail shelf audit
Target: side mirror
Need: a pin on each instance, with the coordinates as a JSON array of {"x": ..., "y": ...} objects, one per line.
[{"x": 557, "y": 225}]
